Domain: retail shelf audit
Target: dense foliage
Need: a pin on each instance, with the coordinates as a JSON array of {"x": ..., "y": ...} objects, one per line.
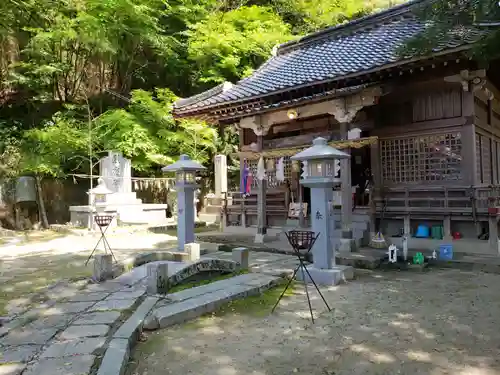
[
  {"x": 449, "y": 20},
  {"x": 79, "y": 77}
]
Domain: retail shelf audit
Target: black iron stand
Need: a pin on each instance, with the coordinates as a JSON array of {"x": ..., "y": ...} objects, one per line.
[
  {"x": 300, "y": 241},
  {"x": 103, "y": 222}
]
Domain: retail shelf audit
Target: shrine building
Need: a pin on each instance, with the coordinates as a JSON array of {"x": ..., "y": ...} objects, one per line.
[{"x": 423, "y": 133}]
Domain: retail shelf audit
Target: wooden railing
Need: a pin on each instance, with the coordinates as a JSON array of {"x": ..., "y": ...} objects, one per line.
[
  {"x": 242, "y": 210},
  {"x": 421, "y": 201},
  {"x": 442, "y": 200}
]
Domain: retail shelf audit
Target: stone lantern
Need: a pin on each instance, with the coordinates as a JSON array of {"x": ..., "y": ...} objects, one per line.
[
  {"x": 98, "y": 195},
  {"x": 98, "y": 201},
  {"x": 185, "y": 184},
  {"x": 320, "y": 178}
]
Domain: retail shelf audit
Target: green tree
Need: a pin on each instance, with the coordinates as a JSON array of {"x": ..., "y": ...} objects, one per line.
[
  {"x": 229, "y": 45},
  {"x": 449, "y": 21}
]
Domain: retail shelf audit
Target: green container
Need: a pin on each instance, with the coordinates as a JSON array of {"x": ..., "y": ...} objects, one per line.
[{"x": 437, "y": 232}]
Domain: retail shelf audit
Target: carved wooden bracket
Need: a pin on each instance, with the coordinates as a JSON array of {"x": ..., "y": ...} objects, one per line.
[
  {"x": 470, "y": 80},
  {"x": 489, "y": 94},
  {"x": 259, "y": 127},
  {"x": 346, "y": 109}
]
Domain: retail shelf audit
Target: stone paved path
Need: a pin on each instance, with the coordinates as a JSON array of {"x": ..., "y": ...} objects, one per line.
[
  {"x": 28, "y": 271},
  {"x": 71, "y": 335}
]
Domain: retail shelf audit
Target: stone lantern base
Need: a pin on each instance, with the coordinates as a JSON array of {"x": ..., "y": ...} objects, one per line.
[{"x": 333, "y": 276}]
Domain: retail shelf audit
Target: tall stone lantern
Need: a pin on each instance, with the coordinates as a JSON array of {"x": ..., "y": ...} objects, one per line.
[
  {"x": 319, "y": 177},
  {"x": 185, "y": 184}
]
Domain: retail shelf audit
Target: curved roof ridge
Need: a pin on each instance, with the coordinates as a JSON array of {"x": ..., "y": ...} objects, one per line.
[
  {"x": 219, "y": 89},
  {"x": 352, "y": 26}
]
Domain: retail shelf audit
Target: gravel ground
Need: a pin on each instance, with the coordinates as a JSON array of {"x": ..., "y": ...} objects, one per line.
[{"x": 433, "y": 323}]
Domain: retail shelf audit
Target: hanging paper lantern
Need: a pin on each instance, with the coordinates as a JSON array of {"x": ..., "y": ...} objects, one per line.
[{"x": 295, "y": 166}]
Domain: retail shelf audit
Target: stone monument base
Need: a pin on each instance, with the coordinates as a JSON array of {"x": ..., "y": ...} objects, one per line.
[
  {"x": 333, "y": 276},
  {"x": 347, "y": 245},
  {"x": 262, "y": 238}
]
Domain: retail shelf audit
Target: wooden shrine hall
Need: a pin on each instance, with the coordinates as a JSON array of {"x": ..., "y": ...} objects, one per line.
[{"x": 423, "y": 134}]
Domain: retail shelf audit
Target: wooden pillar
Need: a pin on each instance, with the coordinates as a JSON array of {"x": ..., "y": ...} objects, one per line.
[
  {"x": 493, "y": 230},
  {"x": 377, "y": 184},
  {"x": 261, "y": 201},
  {"x": 447, "y": 236},
  {"x": 346, "y": 241},
  {"x": 468, "y": 138}
]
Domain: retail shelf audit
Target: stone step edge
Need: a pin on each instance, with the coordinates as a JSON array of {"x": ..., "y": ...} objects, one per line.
[
  {"x": 212, "y": 287},
  {"x": 117, "y": 354}
]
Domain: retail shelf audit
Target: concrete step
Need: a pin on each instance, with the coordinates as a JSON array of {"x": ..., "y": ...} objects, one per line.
[
  {"x": 361, "y": 225},
  {"x": 212, "y": 209},
  {"x": 355, "y": 217},
  {"x": 209, "y": 217},
  {"x": 356, "y": 233}
]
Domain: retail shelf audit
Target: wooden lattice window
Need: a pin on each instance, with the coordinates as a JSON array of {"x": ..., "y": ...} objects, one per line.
[
  {"x": 486, "y": 155},
  {"x": 497, "y": 156},
  {"x": 479, "y": 164},
  {"x": 422, "y": 158}
]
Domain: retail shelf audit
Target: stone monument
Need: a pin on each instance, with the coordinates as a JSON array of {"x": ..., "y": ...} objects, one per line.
[
  {"x": 116, "y": 175},
  {"x": 220, "y": 167},
  {"x": 185, "y": 184},
  {"x": 320, "y": 178}
]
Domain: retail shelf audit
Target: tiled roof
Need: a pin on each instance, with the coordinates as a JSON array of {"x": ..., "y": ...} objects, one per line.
[{"x": 358, "y": 47}]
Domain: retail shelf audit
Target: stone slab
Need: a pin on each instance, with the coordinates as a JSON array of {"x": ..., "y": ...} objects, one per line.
[
  {"x": 20, "y": 337},
  {"x": 77, "y": 332},
  {"x": 136, "y": 293},
  {"x": 52, "y": 321},
  {"x": 78, "y": 365},
  {"x": 116, "y": 358},
  {"x": 195, "y": 292},
  {"x": 75, "y": 347},
  {"x": 114, "y": 304},
  {"x": 101, "y": 317},
  {"x": 88, "y": 296},
  {"x": 334, "y": 276},
  {"x": 67, "y": 308},
  {"x": 264, "y": 282},
  {"x": 12, "y": 369},
  {"x": 18, "y": 354},
  {"x": 108, "y": 286},
  {"x": 132, "y": 327},
  {"x": 212, "y": 287},
  {"x": 194, "y": 307}
]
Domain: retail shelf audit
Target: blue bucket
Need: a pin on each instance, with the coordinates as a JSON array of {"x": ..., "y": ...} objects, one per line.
[
  {"x": 445, "y": 252},
  {"x": 422, "y": 232}
]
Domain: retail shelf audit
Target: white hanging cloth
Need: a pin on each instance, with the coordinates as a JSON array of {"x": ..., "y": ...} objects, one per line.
[
  {"x": 261, "y": 170},
  {"x": 280, "y": 170},
  {"x": 304, "y": 169}
]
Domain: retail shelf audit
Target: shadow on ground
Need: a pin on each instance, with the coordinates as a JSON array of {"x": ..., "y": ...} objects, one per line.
[{"x": 435, "y": 323}]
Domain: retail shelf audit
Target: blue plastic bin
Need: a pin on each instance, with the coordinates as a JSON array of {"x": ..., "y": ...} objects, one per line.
[{"x": 445, "y": 252}]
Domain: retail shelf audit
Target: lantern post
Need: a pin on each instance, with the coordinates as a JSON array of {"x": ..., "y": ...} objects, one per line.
[
  {"x": 319, "y": 177},
  {"x": 185, "y": 184}
]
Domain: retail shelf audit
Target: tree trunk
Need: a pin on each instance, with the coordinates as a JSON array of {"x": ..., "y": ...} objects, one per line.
[{"x": 41, "y": 204}]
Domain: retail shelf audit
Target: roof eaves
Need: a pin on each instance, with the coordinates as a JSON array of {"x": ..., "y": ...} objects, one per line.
[
  {"x": 351, "y": 26},
  {"x": 205, "y": 95},
  {"x": 438, "y": 52}
]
